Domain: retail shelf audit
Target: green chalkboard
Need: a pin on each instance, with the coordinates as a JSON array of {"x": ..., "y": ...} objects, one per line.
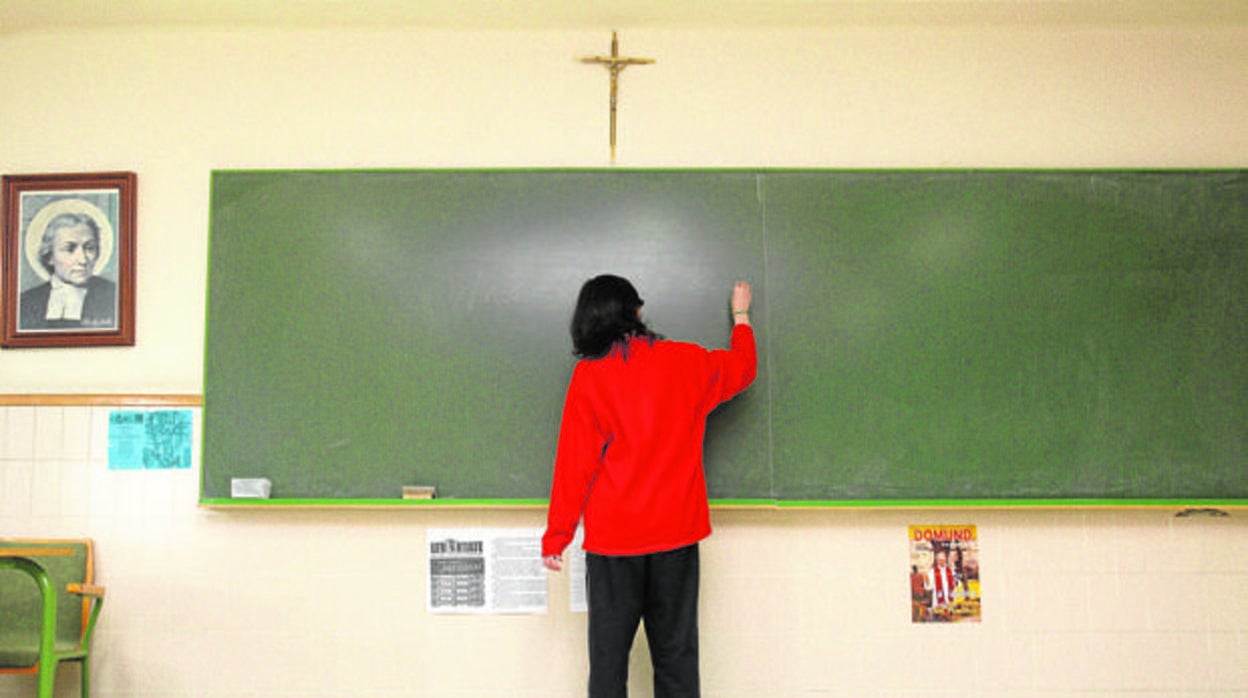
[{"x": 924, "y": 336}]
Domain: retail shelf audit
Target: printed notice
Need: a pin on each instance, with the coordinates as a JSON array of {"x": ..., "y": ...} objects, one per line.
[
  {"x": 944, "y": 574},
  {"x": 490, "y": 570},
  {"x": 574, "y": 555},
  {"x": 149, "y": 439}
]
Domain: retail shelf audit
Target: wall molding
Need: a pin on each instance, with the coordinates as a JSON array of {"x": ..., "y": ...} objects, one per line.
[{"x": 102, "y": 400}]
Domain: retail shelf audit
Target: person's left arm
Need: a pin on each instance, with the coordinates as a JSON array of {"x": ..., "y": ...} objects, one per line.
[{"x": 577, "y": 460}]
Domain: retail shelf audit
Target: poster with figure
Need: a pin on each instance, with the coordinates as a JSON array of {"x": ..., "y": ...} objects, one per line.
[
  {"x": 67, "y": 261},
  {"x": 944, "y": 574}
]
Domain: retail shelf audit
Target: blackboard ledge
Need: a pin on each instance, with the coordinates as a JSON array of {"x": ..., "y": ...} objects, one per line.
[
  {"x": 230, "y": 503},
  {"x": 1194, "y": 505},
  {"x": 1054, "y": 503}
]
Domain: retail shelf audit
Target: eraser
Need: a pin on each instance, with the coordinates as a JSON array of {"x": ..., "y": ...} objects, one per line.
[
  {"x": 250, "y": 487},
  {"x": 419, "y": 492}
]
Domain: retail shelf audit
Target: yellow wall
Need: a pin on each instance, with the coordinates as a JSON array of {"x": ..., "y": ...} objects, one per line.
[{"x": 206, "y": 603}]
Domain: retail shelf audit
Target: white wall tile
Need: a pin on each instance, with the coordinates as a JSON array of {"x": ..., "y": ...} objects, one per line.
[
  {"x": 75, "y": 488},
  {"x": 45, "y": 490},
  {"x": 103, "y": 495},
  {"x": 18, "y": 484},
  {"x": 49, "y": 433},
  {"x": 1119, "y": 603},
  {"x": 99, "y": 433},
  {"x": 1187, "y": 605},
  {"x": 19, "y": 436},
  {"x": 76, "y": 445}
]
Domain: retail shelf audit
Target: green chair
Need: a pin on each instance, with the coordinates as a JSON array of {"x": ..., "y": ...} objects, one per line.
[{"x": 48, "y": 608}]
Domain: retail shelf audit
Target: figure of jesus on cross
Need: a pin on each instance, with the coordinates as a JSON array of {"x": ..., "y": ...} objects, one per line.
[{"x": 615, "y": 64}]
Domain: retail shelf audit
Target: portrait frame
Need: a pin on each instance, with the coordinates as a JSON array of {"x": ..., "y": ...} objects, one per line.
[{"x": 67, "y": 270}]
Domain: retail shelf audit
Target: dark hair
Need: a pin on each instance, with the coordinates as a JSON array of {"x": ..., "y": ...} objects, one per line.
[{"x": 606, "y": 314}]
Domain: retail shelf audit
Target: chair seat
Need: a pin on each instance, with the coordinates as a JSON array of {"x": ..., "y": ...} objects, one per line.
[{"x": 21, "y": 651}]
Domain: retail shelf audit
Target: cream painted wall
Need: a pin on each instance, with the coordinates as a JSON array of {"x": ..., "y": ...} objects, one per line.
[
  {"x": 204, "y": 603},
  {"x": 173, "y": 106}
]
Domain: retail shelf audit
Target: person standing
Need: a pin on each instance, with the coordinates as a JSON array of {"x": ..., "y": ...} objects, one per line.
[
  {"x": 941, "y": 579},
  {"x": 629, "y": 465}
]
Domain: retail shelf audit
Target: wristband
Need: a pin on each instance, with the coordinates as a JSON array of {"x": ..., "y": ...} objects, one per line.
[{"x": 740, "y": 312}]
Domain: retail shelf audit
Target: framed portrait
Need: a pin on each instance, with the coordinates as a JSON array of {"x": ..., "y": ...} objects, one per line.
[{"x": 68, "y": 260}]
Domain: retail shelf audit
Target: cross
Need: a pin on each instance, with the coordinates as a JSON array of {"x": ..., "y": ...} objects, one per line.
[{"x": 616, "y": 64}]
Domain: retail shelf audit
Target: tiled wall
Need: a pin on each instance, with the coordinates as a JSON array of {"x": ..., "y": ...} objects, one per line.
[{"x": 202, "y": 603}]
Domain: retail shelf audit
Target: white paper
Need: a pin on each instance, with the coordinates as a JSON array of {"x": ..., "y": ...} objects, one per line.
[
  {"x": 574, "y": 555},
  {"x": 486, "y": 570}
]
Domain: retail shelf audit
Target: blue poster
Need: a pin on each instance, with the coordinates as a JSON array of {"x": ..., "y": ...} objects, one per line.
[{"x": 149, "y": 439}]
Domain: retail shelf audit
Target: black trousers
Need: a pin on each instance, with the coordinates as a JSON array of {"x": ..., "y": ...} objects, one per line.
[{"x": 662, "y": 590}]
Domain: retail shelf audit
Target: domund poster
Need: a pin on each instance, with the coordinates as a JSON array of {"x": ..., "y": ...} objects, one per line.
[{"x": 944, "y": 574}]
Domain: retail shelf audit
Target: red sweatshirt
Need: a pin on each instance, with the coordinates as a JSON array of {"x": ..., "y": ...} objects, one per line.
[{"x": 630, "y": 445}]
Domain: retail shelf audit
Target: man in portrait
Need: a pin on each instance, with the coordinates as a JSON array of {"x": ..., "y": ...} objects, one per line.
[{"x": 73, "y": 296}]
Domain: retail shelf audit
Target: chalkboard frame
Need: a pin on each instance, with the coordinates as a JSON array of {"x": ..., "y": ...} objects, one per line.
[{"x": 776, "y": 502}]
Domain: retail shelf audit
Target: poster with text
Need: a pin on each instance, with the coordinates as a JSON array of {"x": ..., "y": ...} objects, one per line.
[
  {"x": 944, "y": 574},
  {"x": 486, "y": 570},
  {"x": 149, "y": 439}
]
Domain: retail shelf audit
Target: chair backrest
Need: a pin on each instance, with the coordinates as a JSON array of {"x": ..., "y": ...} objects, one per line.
[{"x": 21, "y": 606}]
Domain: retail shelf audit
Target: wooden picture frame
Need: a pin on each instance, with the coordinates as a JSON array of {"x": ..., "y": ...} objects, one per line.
[{"x": 68, "y": 260}]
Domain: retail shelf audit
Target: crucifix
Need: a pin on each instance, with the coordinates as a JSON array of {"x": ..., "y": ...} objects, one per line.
[{"x": 615, "y": 64}]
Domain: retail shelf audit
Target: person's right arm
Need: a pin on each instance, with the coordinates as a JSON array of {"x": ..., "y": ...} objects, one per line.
[
  {"x": 736, "y": 367},
  {"x": 742, "y": 297}
]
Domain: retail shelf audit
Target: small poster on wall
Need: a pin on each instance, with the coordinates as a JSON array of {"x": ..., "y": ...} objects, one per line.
[
  {"x": 944, "y": 574},
  {"x": 149, "y": 439}
]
